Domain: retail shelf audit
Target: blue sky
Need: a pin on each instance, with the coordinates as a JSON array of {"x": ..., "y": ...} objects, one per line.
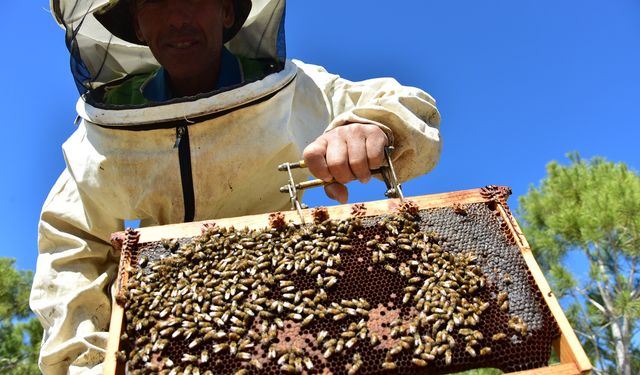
[{"x": 518, "y": 83}]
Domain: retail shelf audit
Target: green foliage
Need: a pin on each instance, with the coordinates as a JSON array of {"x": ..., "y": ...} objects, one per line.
[
  {"x": 563, "y": 279},
  {"x": 14, "y": 290},
  {"x": 594, "y": 203},
  {"x": 591, "y": 208},
  {"x": 20, "y": 333}
]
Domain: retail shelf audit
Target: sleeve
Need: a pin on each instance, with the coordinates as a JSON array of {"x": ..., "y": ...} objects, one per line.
[
  {"x": 408, "y": 116},
  {"x": 76, "y": 265}
]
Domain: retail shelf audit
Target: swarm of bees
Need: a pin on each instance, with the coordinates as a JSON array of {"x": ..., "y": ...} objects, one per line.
[{"x": 273, "y": 300}]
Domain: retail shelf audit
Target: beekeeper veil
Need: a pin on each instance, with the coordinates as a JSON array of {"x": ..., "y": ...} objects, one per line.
[{"x": 104, "y": 48}]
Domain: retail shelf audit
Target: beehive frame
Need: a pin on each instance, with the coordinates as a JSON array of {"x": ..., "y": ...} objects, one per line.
[{"x": 573, "y": 360}]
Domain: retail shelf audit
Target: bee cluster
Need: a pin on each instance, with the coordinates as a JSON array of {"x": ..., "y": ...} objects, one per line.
[{"x": 413, "y": 291}]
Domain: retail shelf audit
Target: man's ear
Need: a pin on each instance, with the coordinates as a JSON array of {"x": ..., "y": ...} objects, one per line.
[
  {"x": 134, "y": 20},
  {"x": 229, "y": 14}
]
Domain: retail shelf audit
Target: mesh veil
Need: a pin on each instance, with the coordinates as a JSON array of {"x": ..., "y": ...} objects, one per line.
[{"x": 98, "y": 57}]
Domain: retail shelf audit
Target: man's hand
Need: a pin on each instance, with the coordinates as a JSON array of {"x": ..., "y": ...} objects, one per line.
[{"x": 344, "y": 154}]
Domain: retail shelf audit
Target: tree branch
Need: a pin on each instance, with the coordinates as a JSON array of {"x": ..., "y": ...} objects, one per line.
[
  {"x": 11, "y": 363},
  {"x": 632, "y": 273},
  {"x": 592, "y": 301},
  {"x": 634, "y": 285},
  {"x": 590, "y": 335},
  {"x": 599, "y": 360},
  {"x": 603, "y": 289}
]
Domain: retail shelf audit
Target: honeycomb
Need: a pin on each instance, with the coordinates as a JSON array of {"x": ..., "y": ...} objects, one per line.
[{"x": 436, "y": 290}]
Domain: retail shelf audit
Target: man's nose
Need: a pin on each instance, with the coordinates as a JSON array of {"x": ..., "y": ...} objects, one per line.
[{"x": 180, "y": 12}]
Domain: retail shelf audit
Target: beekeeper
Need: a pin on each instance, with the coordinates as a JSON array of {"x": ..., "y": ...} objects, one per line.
[{"x": 186, "y": 109}]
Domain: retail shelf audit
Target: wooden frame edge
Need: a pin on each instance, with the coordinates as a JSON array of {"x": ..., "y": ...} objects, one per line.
[
  {"x": 554, "y": 369},
  {"x": 111, "y": 365},
  {"x": 568, "y": 346},
  {"x": 261, "y": 220}
]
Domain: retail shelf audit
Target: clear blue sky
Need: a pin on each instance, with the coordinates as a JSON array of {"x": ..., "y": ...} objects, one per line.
[{"x": 518, "y": 83}]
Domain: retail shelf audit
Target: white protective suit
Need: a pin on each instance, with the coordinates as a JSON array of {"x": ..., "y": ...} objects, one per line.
[{"x": 134, "y": 164}]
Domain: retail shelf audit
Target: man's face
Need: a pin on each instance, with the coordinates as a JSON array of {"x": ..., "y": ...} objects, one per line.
[{"x": 185, "y": 36}]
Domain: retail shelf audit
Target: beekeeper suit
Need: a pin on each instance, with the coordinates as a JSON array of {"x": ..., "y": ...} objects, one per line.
[{"x": 176, "y": 159}]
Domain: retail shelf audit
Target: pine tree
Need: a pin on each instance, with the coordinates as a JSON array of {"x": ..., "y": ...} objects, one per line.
[
  {"x": 20, "y": 332},
  {"x": 591, "y": 209}
]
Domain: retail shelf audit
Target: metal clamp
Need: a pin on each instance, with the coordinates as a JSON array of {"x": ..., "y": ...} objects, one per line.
[
  {"x": 292, "y": 189},
  {"x": 394, "y": 190}
]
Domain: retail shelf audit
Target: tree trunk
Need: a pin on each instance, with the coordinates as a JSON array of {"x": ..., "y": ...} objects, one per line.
[{"x": 623, "y": 360}]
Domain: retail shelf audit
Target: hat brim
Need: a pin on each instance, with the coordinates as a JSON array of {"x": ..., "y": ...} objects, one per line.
[{"x": 117, "y": 19}]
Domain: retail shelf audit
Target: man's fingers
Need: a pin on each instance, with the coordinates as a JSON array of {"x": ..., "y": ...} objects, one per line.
[
  {"x": 314, "y": 158},
  {"x": 358, "y": 159},
  {"x": 337, "y": 192},
  {"x": 346, "y": 153},
  {"x": 338, "y": 160},
  {"x": 375, "y": 151}
]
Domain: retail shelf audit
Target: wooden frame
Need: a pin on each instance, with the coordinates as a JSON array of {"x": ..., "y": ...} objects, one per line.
[{"x": 573, "y": 359}]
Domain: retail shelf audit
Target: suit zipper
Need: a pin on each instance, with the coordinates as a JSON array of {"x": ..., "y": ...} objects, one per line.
[{"x": 186, "y": 176}]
